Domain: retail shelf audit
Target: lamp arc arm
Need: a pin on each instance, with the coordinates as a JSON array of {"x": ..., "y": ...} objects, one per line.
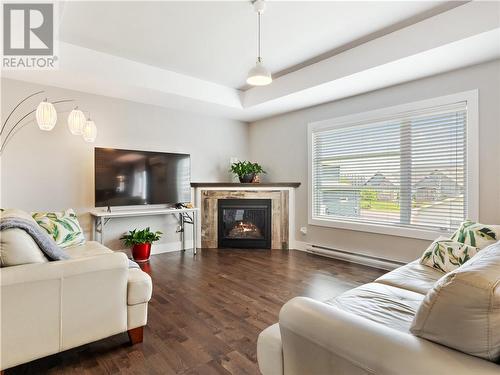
[
  {"x": 17, "y": 106},
  {"x": 7, "y": 138}
]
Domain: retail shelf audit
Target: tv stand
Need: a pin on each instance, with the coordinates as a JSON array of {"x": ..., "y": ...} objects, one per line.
[{"x": 185, "y": 215}]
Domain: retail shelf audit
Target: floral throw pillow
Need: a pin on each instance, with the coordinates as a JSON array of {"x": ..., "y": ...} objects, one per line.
[
  {"x": 476, "y": 234},
  {"x": 63, "y": 227},
  {"x": 447, "y": 255}
]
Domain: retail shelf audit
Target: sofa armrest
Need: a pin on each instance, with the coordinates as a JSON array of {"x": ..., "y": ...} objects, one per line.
[
  {"x": 323, "y": 338},
  {"x": 54, "y": 306}
]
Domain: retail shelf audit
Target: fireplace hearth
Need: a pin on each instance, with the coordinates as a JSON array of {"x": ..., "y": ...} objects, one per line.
[{"x": 244, "y": 223}]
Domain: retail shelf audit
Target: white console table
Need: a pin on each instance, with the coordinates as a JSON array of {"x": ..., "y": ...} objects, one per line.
[{"x": 186, "y": 216}]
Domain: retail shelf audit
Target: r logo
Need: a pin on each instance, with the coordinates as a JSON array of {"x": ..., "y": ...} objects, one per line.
[{"x": 28, "y": 29}]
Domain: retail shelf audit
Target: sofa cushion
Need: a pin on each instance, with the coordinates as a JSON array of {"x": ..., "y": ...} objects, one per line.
[
  {"x": 462, "y": 310},
  {"x": 63, "y": 227},
  {"x": 139, "y": 287},
  {"x": 16, "y": 246},
  {"x": 447, "y": 255},
  {"x": 477, "y": 234},
  {"x": 412, "y": 276},
  {"x": 391, "y": 306},
  {"x": 88, "y": 249}
]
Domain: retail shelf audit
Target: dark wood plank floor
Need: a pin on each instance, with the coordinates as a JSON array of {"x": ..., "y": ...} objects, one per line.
[{"x": 207, "y": 311}]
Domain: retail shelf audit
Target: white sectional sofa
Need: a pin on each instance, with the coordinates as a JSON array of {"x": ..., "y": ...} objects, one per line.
[
  {"x": 367, "y": 331},
  {"x": 49, "y": 307}
]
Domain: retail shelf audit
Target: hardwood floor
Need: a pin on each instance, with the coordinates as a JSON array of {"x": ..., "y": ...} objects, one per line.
[{"x": 207, "y": 311}]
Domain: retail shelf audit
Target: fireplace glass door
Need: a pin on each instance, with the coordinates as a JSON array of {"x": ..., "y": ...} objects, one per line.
[{"x": 244, "y": 223}]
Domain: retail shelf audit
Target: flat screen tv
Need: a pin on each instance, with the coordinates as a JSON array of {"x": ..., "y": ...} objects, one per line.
[{"x": 128, "y": 177}]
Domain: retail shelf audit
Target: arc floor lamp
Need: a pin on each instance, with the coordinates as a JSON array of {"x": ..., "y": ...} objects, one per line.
[{"x": 46, "y": 119}]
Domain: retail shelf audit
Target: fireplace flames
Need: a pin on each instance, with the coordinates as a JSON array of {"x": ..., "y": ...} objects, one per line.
[{"x": 245, "y": 229}]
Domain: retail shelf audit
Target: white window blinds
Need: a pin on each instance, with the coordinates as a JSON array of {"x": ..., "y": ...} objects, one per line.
[{"x": 408, "y": 170}]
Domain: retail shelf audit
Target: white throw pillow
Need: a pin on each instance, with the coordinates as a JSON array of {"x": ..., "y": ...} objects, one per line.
[
  {"x": 16, "y": 246},
  {"x": 446, "y": 255},
  {"x": 63, "y": 227},
  {"x": 461, "y": 311}
]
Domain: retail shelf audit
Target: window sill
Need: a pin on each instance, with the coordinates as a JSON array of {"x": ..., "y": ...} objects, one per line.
[{"x": 379, "y": 229}]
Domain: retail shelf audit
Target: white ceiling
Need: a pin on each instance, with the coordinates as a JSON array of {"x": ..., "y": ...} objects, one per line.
[
  {"x": 194, "y": 56},
  {"x": 216, "y": 41}
]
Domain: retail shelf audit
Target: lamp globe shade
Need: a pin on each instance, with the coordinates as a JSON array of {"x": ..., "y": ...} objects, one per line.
[
  {"x": 259, "y": 75},
  {"x": 46, "y": 116},
  {"x": 76, "y": 122},
  {"x": 89, "y": 131}
]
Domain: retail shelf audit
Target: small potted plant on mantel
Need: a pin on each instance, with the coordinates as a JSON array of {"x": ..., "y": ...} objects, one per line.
[
  {"x": 247, "y": 171},
  {"x": 141, "y": 241}
]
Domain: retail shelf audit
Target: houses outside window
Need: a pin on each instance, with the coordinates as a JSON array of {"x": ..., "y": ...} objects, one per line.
[{"x": 409, "y": 170}]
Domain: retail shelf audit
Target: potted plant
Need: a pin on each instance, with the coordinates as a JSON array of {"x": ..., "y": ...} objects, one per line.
[
  {"x": 246, "y": 170},
  {"x": 141, "y": 241}
]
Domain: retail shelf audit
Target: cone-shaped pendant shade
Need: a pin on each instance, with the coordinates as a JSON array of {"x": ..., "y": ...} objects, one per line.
[{"x": 259, "y": 75}]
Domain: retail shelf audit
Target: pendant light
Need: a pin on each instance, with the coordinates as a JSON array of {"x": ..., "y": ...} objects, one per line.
[
  {"x": 259, "y": 75},
  {"x": 89, "y": 131},
  {"x": 46, "y": 115},
  {"x": 76, "y": 121}
]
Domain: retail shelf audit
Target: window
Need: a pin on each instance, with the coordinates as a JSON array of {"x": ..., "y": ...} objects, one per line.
[{"x": 406, "y": 170}]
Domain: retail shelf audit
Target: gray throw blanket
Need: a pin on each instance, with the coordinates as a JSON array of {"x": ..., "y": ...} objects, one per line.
[{"x": 41, "y": 238}]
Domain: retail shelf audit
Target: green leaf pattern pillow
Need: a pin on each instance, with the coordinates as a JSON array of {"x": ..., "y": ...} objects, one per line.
[
  {"x": 63, "y": 227},
  {"x": 446, "y": 255},
  {"x": 477, "y": 234}
]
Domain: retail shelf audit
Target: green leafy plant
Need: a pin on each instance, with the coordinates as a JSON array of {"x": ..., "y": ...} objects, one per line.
[
  {"x": 246, "y": 167},
  {"x": 135, "y": 237}
]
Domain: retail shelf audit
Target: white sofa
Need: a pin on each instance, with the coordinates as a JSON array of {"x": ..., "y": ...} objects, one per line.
[
  {"x": 363, "y": 331},
  {"x": 50, "y": 307}
]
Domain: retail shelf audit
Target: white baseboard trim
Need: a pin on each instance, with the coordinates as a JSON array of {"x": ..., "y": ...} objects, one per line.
[
  {"x": 170, "y": 247},
  {"x": 165, "y": 247},
  {"x": 367, "y": 260},
  {"x": 299, "y": 245}
]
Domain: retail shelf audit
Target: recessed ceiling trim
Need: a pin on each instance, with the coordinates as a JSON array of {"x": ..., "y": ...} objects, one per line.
[{"x": 463, "y": 36}]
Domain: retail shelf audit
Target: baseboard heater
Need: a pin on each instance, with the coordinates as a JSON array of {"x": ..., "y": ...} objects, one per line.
[{"x": 366, "y": 260}]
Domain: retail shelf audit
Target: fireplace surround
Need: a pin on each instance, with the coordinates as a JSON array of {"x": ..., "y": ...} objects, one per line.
[
  {"x": 281, "y": 194},
  {"x": 244, "y": 223}
]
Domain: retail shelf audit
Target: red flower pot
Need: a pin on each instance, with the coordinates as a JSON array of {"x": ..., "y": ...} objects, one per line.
[{"x": 141, "y": 252}]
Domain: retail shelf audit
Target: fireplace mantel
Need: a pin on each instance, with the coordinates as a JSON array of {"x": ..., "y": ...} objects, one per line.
[{"x": 239, "y": 184}]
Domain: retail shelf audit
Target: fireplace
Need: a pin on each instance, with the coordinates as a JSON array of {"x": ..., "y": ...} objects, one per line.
[{"x": 244, "y": 223}]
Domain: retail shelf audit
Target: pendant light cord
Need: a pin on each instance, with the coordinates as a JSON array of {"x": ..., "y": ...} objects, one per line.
[{"x": 258, "y": 44}]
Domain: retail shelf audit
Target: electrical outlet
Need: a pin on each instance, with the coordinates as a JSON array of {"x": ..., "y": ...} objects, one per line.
[{"x": 303, "y": 230}]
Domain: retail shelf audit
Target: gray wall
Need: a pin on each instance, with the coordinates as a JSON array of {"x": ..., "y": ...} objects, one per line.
[
  {"x": 54, "y": 170},
  {"x": 280, "y": 145}
]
